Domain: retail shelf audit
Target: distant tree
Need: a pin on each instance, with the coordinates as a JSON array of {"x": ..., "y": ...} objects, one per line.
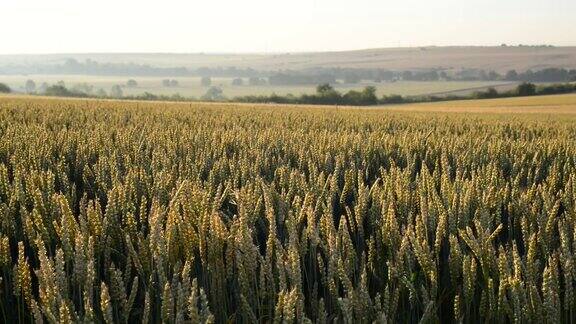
[
  {"x": 58, "y": 91},
  {"x": 83, "y": 87},
  {"x": 173, "y": 83},
  {"x": 177, "y": 97},
  {"x": 353, "y": 98},
  {"x": 432, "y": 76},
  {"x": 443, "y": 76},
  {"x": 526, "y": 89},
  {"x": 101, "y": 93},
  {"x": 324, "y": 89},
  {"x": 556, "y": 89},
  {"x": 43, "y": 87},
  {"x": 361, "y": 98},
  {"x": 392, "y": 99},
  {"x": 4, "y": 88},
  {"x": 71, "y": 65},
  {"x": 325, "y": 94},
  {"x": 131, "y": 83},
  {"x": 206, "y": 81},
  {"x": 572, "y": 75},
  {"x": 511, "y": 75},
  {"x": 256, "y": 81},
  {"x": 214, "y": 93},
  {"x": 407, "y": 75},
  {"x": 238, "y": 82},
  {"x": 369, "y": 96},
  {"x": 493, "y": 76},
  {"x": 527, "y": 76},
  {"x": 30, "y": 86},
  {"x": 166, "y": 83},
  {"x": 489, "y": 93},
  {"x": 116, "y": 91},
  {"x": 61, "y": 83}
]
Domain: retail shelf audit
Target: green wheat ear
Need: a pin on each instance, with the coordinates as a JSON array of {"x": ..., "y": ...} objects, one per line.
[{"x": 122, "y": 212}]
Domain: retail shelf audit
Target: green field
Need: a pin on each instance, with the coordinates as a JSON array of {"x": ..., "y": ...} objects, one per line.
[
  {"x": 149, "y": 212},
  {"x": 191, "y": 87}
]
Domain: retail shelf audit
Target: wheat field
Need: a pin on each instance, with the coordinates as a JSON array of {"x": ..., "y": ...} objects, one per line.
[{"x": 148, "y": 212}]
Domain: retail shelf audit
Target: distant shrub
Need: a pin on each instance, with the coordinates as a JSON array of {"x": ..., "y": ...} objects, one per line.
[
  {"x": 43, "y": 87},
  {"x": 116, "y": 91},
  {"x": 526, "y": 89},
  {"x": 101, "y": 93},
  {"x": 83, "y": 87},
  {"x": 206, "y": 81},
  {"x": 256, "y": 81},
  {"x": 556, "y": 89},
  {"x": 58, "y": 91},
  {"x": 30, "y": 86},
  {"x": 151, "y": 96},
  {"x": 170, "y": 83},
  {"x": 213, "y": 94},
  {"x": 131, "y": 83},
  {"x": 4, "y": 88},
  {"x": 392, "y": 99},
  {"x": 369, "y": 96},
  {"x": 490, "y": 93}
]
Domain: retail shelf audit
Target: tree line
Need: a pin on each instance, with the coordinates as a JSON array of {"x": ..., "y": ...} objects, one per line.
[
  {"x": 325, "y": 95},
  {"x": 293, "y": 77}
]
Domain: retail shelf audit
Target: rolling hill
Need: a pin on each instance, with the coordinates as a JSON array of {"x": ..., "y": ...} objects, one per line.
[{"x": 497, "y": 58}]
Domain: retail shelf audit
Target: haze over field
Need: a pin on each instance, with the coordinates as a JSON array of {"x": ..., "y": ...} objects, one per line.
[
  {"x": 498, "y": 58},
  {"x": 68, "y": 26}
]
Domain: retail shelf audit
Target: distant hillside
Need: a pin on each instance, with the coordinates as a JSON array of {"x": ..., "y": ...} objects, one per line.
[{"x": 500, "y": 59}]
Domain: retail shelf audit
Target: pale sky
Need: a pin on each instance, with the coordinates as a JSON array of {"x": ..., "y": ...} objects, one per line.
[{"x": 78, "y": 26}]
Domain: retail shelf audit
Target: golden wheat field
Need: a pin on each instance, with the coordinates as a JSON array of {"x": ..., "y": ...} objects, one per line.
[{"x": 148, "y": 212}]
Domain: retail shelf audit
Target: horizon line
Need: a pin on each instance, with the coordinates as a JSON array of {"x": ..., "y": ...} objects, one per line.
[{"x": 503, "y": 45}]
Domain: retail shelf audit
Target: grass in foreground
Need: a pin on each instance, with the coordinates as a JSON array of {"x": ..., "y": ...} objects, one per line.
[{"x": 147, "y": 212}]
